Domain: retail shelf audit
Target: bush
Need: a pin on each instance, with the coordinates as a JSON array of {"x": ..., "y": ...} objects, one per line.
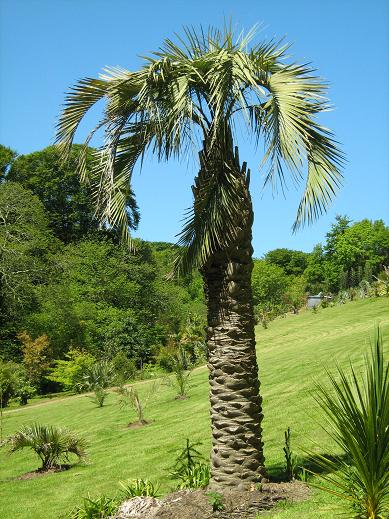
[
  {"x": 52, "y": 444},
  {"x": 14, "y": 383},
  {"x": 357, "y": 413},
  {"x": 139, "y": 487},
  {"x": 69, "y": 373}
]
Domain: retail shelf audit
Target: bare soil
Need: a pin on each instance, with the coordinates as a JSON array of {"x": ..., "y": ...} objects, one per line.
[
  {"x": 137, "y": 424},
  {"x": 41, "y": 472},
  {"x": 196, "y": 504}
]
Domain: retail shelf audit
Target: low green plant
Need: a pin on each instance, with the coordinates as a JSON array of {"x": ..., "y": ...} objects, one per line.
[
  {"x": 216, "y": 501},
  {"x": 98, "y": 378},
  {"x": 290, "y": 458},
  {"x": 70, "y": 372},
  {"x": 139, "y": 487},
  {"x": 357, "y": 412},
  {"x": 52, "y": 444},
  {"x": 190, "y": 469},
  {"x": 100, "y": 508}
]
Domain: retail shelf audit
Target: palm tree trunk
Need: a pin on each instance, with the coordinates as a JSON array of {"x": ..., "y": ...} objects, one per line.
[{"x": 236, "y": 414}]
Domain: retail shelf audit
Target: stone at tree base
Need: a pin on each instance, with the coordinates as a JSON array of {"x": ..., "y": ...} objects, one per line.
[{"x": 138, "y": 507}]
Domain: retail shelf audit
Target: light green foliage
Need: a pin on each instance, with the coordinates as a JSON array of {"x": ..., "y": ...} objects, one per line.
[
  {"x": 352, "y": 253},
  {"x": 52, "y": 444},
  {"x": 216, "y": 500},
  {"x": 357, "y": 412},
  {"x": 269, "y": 283},
  {"x": 138, "y": 487},
  {"x": 69, "y": 373},
  {"x": 295, "y": 295},
  {"x": 190, "y": 469},
  {"x": 363, "y": 241},
  {"x": 100, "y": 508}
]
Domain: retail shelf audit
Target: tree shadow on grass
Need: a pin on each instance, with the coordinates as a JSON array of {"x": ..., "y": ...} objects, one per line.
[{"x": 304, "y": 465}]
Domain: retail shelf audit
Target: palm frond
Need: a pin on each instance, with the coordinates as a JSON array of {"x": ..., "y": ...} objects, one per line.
[{"x": 191, "y": 91}]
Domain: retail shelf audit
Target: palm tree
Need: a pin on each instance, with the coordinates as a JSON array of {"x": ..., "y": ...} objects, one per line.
[{"x": 195, "y": 94}]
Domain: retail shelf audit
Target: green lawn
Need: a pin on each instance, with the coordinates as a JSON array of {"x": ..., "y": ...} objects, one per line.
[{"x": 292, "y": 354}]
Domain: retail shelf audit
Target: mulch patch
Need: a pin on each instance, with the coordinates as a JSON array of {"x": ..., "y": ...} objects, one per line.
[
  {"x": 137, "y": 424},
  {"x": 40, "y": 472}
]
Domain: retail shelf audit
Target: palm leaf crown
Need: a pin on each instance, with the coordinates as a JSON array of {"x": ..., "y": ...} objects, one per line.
[{"x": 188, "y": 93}]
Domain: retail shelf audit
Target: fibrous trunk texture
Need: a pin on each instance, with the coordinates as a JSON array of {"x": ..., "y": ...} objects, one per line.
[{"x": 236, "y": 413}]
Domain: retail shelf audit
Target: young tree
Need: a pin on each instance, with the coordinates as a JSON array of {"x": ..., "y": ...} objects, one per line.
[
  {"x": 36, "y": 356},
  {"x": 200, "y": 90}
]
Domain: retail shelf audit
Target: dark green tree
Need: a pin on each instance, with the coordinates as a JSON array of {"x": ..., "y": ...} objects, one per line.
[
  {"x": 201, "y": 91},
  {"x": 294, "y": 262},
  {"x": 25, "y": 243},
  {"x": 67, "y": 201},
  {"x": 7, "y": 156}
]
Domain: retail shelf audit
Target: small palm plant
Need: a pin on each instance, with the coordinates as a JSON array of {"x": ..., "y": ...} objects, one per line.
[
  {"x": 52, "y": 444},
  {"x": 357, "y": 413},
  {"x": 182, "y": 370},
  {"x": 98, "y": 378},
  {"x": 130, "y": 398}
]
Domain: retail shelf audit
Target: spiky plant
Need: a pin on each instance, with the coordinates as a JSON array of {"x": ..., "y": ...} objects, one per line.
[
  {"x": 357, "y": 411},
  {"x": 196, "y": 94},
  {"x": 52, "y": 444},
  {"x": 98, "y": 378}
]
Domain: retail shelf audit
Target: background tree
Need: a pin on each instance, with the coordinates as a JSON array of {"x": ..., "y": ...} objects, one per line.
[
  {"x": 25, "y": 245},
  {"x": 294, "y": 262},
  {"x": 199, "y": 92},
  {"x": 7, "y": 156},
  {"x": 67, "y": 202}
]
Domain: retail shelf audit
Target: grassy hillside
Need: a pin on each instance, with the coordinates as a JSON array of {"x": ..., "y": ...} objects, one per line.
[{"x": 292, "y": 354}]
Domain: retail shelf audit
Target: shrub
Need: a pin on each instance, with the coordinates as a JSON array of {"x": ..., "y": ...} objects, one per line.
[
  {"x": 139, "y": 487},
  {"x": 100, "y": 508},
  {"x": 357, "y": 413},
  {"x": 190, "y": 469},
  {"x": 69, "y": 373},
  {"x": 52, "y": 444},
  {"x": 14, "y": 383}
]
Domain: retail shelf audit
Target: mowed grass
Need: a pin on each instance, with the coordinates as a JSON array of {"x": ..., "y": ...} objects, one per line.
[{"x": 292, "y": 354}]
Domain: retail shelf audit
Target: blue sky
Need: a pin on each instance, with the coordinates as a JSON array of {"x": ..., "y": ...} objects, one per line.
[{"x": 46, "y": 45}]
